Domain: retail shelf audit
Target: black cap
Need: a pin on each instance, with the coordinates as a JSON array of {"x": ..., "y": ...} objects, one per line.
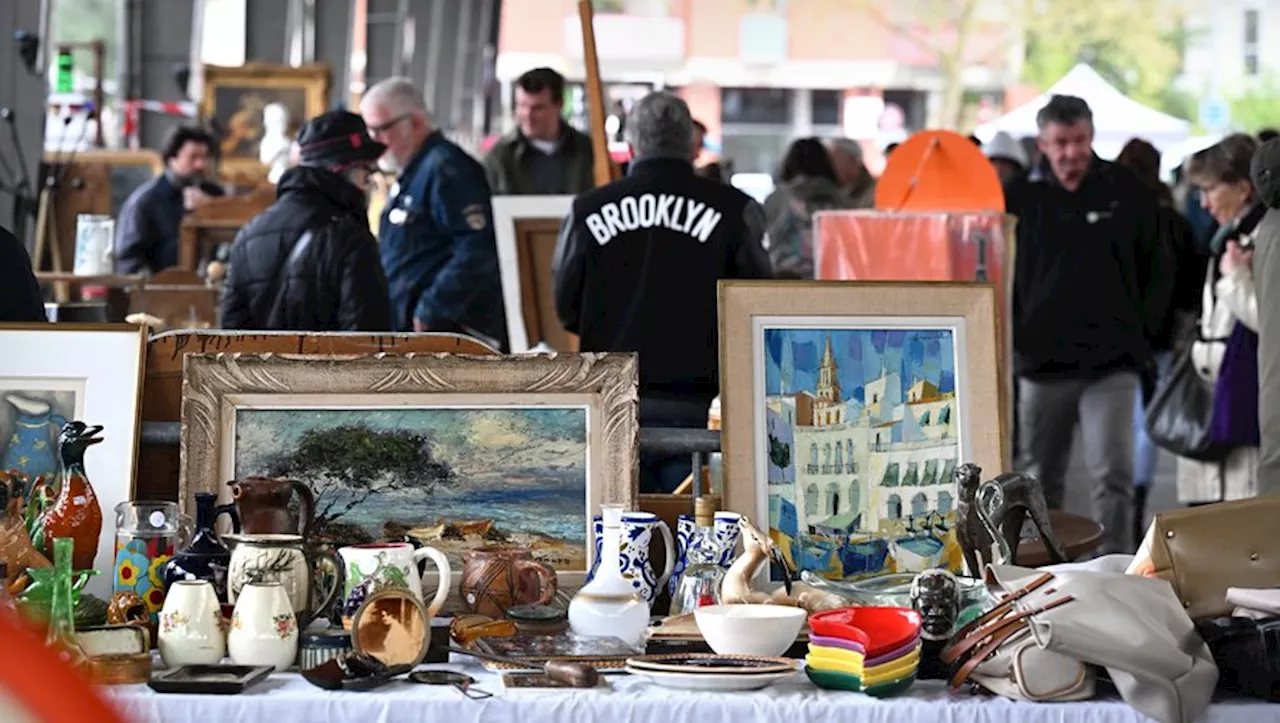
[
  {"x": 1264, "y": 169},
  {"x": 337, "y": 140}
]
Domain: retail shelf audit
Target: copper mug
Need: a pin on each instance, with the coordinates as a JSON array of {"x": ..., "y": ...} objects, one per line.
[{"x": 497, "y": 578}]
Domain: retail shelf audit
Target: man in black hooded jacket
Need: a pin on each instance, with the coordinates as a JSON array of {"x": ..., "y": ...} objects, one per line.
[
  {"x": 310, "y": 263},
  {"x": 20, "y": 298}
]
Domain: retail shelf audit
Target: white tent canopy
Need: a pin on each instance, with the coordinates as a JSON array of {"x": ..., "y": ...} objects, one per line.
[{"x": 1116, "y": 117}]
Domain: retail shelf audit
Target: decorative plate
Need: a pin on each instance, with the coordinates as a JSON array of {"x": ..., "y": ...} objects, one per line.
[
  {"x": 712, "y": 664},
  {"x": 887, "y": 629},
  {"x": 710, "y": 681}
]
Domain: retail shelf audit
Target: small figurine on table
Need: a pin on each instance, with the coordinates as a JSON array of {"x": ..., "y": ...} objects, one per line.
[{"x": 935, "y": 594}]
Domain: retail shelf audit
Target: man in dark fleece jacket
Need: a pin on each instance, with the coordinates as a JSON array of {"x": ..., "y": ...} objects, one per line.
[{"x": 1091, "y": 289}]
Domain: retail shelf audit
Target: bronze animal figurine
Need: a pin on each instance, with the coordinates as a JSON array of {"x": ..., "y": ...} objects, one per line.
[
  {"x": 935, "y": 594},
  {"x": 992, "y": 513}
]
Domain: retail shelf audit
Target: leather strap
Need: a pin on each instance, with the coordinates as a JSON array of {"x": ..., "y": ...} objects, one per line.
[
  {"x": 1004, "y": 605},
  {"x": 963, "y": 672},
  {"x": 956, "y": 650}
]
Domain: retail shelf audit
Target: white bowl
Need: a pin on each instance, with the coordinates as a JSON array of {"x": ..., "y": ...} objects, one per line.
[{"x": 750, "y": 629}]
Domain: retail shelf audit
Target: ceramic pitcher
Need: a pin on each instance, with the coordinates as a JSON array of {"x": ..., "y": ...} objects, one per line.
[
  {"x": 192, "y": 629},
  {"x": 495, "y": 579},
  {"x": 281, "y": 559},
  {"x": 264, "y": 630},
  {"x": 727, "y": 534},
  {"x": 376, "y": 566},
  {"x": 637, "y": 532},
  {"x": 263, "y": 504},
  {"x": 32, "y": 448}
]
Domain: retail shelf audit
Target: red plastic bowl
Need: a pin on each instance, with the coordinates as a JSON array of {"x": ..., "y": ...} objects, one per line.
[{"x": 885, "y": 629}]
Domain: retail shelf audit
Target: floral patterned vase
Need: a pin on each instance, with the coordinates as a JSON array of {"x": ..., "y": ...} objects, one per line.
[
  {"x": 727, "y": 534},
  {"x": 192, "y": 629},
  {"x": 637, "y": 532},
  {"x": 264, "y": 630},
  {"x": 147, "y": 535}
]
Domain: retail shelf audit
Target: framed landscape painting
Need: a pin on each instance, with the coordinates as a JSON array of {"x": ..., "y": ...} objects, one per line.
[
  {"x": 456, "y": 451},
  {"x": 57, "y": 373},
  {"x": 846, "y": 408}
]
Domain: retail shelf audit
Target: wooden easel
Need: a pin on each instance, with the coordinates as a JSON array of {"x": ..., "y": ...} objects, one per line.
[{"x": 605, "y": 169}]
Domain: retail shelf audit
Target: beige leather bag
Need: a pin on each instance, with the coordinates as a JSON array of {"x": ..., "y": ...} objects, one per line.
[
  {"x": 1135, "y": 627},
  {"x": 999, "y": 653}
]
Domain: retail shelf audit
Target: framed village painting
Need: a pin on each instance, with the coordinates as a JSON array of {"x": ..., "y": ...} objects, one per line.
[
  {"x": 58, "y": 373},
  {"x": 846, "y": 409},
  {"x": 456, "y": 451},
  {"x": 527, "y": 229}
]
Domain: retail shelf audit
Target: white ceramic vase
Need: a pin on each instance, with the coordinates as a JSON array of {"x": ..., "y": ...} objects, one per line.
[
  {"x": 264, "y": 630},
  {"x": 192, "y": 629},
  {"x": 609, "y": 605}
]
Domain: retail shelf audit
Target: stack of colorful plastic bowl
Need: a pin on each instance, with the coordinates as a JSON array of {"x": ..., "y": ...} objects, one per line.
[{"x": 872, "y": 650}]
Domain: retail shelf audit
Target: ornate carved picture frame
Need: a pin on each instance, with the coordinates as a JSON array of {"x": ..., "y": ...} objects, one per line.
[
  {"x": 237, "y": 98},
  {"x": 459, "y": 451}
]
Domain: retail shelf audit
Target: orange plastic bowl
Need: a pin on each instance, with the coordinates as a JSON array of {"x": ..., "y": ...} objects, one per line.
[{"x": 886, "y": 629}]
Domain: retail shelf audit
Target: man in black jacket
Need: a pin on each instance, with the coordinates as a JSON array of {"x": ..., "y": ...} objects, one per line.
[
  {"x": 636, "y": 269},
  {"x": 310, "y": 263},
  {"x": 1091, "y": 289},
  {"x": 20, "y": 297},
  {"x": 147, "y": 233}
]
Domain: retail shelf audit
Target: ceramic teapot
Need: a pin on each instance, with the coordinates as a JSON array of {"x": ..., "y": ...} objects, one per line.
[{"x": 263, "y": 503}]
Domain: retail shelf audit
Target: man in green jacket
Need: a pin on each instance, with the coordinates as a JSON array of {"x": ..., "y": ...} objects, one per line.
[
  {"x": 1265, "y": 171},
  {"x": 544, "y": 155}
]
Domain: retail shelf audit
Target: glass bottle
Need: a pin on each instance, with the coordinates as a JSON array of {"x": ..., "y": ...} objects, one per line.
[
  {"x": 700, "y": 582},
  {"x": 62, "y": 623}
]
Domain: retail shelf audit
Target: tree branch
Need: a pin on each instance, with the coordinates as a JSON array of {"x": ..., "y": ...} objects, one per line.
[{"x": 902, "y": 31}]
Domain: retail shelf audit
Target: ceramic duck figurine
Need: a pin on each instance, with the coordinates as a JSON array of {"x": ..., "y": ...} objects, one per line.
[
  {"x": 16, "y": 549},
  {"x": 76, "y": 513}
]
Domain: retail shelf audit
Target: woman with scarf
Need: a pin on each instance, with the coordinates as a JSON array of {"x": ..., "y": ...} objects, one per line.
[{"x": 1226, "y": 352}]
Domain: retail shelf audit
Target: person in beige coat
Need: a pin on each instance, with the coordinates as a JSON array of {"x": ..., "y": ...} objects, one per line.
[{"x": 1222, "y": 173}]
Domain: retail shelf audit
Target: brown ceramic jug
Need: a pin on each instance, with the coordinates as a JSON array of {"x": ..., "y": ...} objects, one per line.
[
  {"x": 263, "y": 504},
  {"x": 497, "y": 578}
]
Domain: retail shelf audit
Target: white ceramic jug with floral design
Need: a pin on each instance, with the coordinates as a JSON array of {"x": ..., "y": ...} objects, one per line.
[
  {"x": 192, "y": 629},
  {"x": 264, "y": 630}
]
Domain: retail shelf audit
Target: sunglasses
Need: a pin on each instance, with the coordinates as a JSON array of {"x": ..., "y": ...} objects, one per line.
[{"x": 461, "y": 681}]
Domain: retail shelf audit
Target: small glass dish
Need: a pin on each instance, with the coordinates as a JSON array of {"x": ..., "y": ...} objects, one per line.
[{"x": 894, "y": 590}]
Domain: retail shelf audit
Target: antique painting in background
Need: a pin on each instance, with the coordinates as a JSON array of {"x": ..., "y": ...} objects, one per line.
[
  {"x": 458, "y": 451},
  {"x": 259, "y": 108},
  {"x": 455, "y": 478},
  {"x": 846, "y": 408},
  {"x": 862, "y": 440}
]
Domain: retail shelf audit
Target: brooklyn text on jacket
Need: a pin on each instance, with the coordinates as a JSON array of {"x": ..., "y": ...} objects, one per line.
[{"x": 662, "y": 210}]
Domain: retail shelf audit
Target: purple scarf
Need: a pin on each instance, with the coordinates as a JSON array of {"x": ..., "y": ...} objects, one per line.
[{"x": 1235, "y": 397}]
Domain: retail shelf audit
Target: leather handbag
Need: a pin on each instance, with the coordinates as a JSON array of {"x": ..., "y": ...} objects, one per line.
[
  {"x": 1179, "y": 417},
  {"x": 1247, "y": 652},
  {"x": 1204, "y": 550},
  {"x": 998, "y": 653},
  {"x": 1132, "y": 626}
]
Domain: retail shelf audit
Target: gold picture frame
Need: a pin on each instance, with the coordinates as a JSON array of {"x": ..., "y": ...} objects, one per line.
[
  {"x": 234, "y": 97},
  {"x": 519, "y": 431},
  {"x": 847, "y": 406}
]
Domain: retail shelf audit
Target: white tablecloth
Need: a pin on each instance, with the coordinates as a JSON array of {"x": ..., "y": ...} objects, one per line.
[{"x": 287, "y": 698}]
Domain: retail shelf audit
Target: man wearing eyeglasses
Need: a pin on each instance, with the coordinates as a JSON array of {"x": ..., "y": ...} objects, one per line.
[{"x": 436, "y": 233}]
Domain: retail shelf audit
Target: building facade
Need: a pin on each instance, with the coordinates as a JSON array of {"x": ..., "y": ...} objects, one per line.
[{"x": 761, "y": 72}]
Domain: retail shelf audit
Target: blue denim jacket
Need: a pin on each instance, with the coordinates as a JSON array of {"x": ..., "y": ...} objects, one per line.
[{"x": 438, "y": 246}]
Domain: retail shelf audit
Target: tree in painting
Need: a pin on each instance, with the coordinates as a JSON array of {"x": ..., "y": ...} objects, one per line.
[{"x": 345, "y": 465}]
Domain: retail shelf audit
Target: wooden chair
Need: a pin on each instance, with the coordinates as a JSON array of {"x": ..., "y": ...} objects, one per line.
[
  {"x": 179, "y": 298},
  {"x": 218, "y": 220}
]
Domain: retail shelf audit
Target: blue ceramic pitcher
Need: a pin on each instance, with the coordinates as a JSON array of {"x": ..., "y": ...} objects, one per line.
[
  {"x": 637, "y": 531},
  {"x": 32, "y": 449}
]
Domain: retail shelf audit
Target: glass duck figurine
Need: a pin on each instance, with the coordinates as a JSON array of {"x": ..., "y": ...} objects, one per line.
[{"x": 75, "y": 513}]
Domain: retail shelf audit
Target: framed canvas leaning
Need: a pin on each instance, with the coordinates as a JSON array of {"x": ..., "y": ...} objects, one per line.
[
  {"x": 56, "y": 373},
  {"x": 847, "y": 406},
  {"x": 526, "y": 229},
  {"x": 457, "y": 451}
]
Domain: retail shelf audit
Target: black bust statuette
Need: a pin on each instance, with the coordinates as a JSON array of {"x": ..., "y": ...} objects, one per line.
[{"x": 935, "y": 594}]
